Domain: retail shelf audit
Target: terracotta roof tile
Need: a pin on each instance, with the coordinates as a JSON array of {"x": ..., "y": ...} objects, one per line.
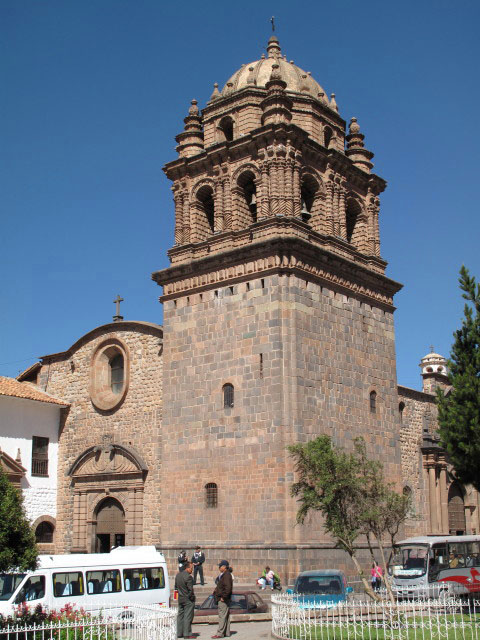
[{"x": 13, "y": 388}]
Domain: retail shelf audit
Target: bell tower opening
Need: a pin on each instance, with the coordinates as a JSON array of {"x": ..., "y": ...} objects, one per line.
[
  {"x": 226, "y": 128},
  {"x": 248, "y": 189},
  {"x": 351, "y": 222},
  {"x": 308, "y": 191},
  {"x": 110, "y": 525},
  {"x": 207, "y": 207}
]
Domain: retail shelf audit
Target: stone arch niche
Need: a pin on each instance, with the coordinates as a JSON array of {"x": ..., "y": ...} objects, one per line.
[
  {"x": 108, "y": 484},
  {"x": 456, "y": 510}
]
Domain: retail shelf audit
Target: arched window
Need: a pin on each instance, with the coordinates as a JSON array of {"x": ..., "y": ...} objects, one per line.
[
  {"x": 207, "y": 205},
  {"x": 353, "y": 212},
  {"x": 226, "y": 127},
  {"x": 373, "y": 402},
  {"x": 308, "y": 190},
  {"x": 246, "y": 182},
  {"x": 44, "y": 532},
  {"x": 327, "y": 136},
  {"x": 228, "y": 396},
  {"x": 401, "y": 409},
  {"x": 211, "y": 495},
  {"x": 116, "y": 365}
]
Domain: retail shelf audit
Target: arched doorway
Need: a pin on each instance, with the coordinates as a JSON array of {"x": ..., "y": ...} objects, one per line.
[
  {"x": 456, "y": 510},
  {"x": 110, "y": 526}
]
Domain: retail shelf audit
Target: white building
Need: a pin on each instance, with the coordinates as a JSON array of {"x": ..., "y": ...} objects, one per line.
[{"x": 29, "y": 427}]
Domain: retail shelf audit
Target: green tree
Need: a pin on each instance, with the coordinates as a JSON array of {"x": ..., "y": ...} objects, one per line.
[
  {"x": 350, "y": 492},
  {"x": 459, "y": 407},
  {"x": 17, "y": 540}
]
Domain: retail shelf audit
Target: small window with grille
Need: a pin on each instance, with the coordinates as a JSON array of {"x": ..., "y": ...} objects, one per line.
[
  {"x": 228, "y": 396},
  {"x": 211, "y": 495},
  {"x": 39, "y": 456},
  {"x": 401, "y": 409},
  {"x": 373, "y": 402}
]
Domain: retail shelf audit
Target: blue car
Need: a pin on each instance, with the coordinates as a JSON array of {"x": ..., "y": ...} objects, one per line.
[{"x": 320, "y": 589}]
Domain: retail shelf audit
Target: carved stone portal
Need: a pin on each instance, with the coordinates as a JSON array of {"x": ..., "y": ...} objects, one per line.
[{"x": 107, "y": 477}]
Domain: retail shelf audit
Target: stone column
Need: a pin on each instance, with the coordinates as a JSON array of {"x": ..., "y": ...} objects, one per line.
[
  {"x": 186, "y": 225},
  {"x": 444, "y": 499},
  {"x": 376, "y": 228},
  {"x": 227, "y": 204},
  {"x": 342, "y": 212},
  {"x": 218, "y": 200},
  {"x": 178, "y": 199},
  {"x": 432, "y": 498},
  {"x": 297, "y": 190},
  {"x": 330, "y": 191},
  {"x": 282, "y": 208},
  {"x": 274, "y": 200},
  {"x": 289, "y": 180},
  {"x": 262, "y": 196}
]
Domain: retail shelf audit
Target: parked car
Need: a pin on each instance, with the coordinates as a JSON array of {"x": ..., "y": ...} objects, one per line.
[
  {"x": 242, "y": 602},
  {"x": 320, "y": 589}
]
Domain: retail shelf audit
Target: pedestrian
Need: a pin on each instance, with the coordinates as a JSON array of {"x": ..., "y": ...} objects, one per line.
[
  {"x": 223, "y": 595},
  {"x": 182, "y": 560},
  {"x": 198, "y": 559},
  {"x": 376, "y": 576},
  {"x": 186, "y": 601}
]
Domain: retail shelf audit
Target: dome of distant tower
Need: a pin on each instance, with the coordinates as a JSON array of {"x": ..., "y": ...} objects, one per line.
[{"x": 257, "y": 74}]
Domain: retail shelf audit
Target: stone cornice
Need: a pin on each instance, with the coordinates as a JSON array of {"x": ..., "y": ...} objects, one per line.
[
  {"x": 247, "y": 145},
  {"x": 273, "y": 226},
  {"x": 281, "y": 254},
  {"x": 254, "y": 95}
]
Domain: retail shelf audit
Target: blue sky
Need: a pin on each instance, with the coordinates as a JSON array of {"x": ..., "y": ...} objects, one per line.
[{"x": 94, "y": 92}]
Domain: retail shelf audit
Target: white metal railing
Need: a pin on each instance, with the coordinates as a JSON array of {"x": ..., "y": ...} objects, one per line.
[
  {"x": 122, "y": 622},
  {"x": 444, "y": 618}
]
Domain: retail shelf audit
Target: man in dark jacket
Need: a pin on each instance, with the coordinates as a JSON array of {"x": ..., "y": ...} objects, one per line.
[
  {"x": 186, "y": 601},
  {"x": 198, "y": 559},
  {"x": 223, "y": 595}
]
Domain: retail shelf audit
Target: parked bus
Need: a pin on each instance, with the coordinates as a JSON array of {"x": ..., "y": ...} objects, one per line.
[
  {"x": 133, "y": 575},
  {"x": 430, "y": 565}
]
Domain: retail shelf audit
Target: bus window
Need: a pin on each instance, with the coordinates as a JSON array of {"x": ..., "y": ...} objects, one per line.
[
  {"x": 145, "y": 578},
  {"x": 33, "y": 589},
  {"x": 67, "y": 584},
  {"x": 106, "y": 581},
  {"x": 9, "y": 583},
  {"x": 457, "y": 554},
  {"x": 438, "y": 561}
]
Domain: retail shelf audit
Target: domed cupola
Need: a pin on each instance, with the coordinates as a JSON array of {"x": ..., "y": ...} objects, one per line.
[
  {"x": 258, "y": 73},
  {"x": 434, "y": 371}
]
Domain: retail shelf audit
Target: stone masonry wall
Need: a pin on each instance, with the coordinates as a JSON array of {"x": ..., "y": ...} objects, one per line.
[
  {"x": 135, "y": 423},
  {"x": 303, "y": 360},
  {"x": 413, "y": 474}
]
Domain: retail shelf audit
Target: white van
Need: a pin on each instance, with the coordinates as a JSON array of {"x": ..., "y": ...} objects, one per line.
[{"x": 133, "y": 575}]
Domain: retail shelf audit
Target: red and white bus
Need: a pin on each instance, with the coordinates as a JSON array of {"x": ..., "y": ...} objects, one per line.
[{"x": 429, "y": 565}]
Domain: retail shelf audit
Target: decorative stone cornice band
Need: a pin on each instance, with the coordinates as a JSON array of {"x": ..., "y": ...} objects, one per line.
[{"x": 288, "y": 254}]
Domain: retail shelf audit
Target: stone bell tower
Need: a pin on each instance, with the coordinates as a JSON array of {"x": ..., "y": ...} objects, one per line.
[{"x": 278, "y": 316}]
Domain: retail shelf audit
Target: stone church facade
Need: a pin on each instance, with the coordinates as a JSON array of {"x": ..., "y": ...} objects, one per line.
[{"x": 278, "y": 327}]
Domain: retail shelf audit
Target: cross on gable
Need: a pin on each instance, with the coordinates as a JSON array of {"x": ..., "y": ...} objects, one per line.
[{"x": 117, "y": 317}]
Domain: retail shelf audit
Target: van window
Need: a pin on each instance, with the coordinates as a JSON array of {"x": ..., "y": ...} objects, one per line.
[
  {"x": 9, "y": 583},
  {"x": 67, "y": 584},
  {"x": 145, "y": 578},
  {"x": 33, "y": 589},
  {"x": 105, "y": 581}
]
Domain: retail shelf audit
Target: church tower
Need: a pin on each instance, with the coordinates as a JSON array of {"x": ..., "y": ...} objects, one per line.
[{"x": 278, "y": 316}]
